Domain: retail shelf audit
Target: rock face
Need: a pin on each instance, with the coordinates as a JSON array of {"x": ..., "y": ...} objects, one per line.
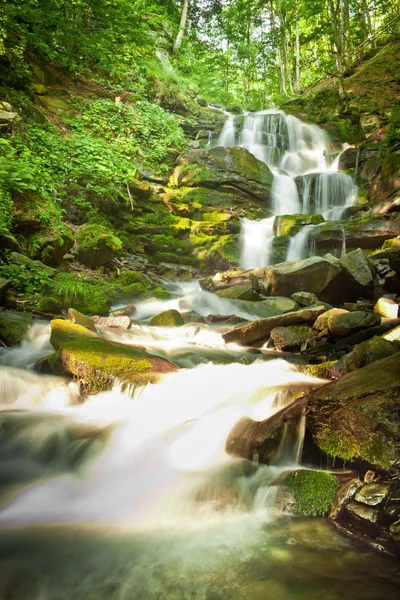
[
  {"x": 97, "y": 245},
  {"x": 259, "y": 330},
  {"x": 342, "y": 325},
  {"x": 356, "y": 265},
  {"x": 98, "y": 363},
  {"x": 312, "y": 275},
  {"x": 225, "y": 168},
  {"x": 292, "y": 338},
  {"x": 357, "y": 417}
]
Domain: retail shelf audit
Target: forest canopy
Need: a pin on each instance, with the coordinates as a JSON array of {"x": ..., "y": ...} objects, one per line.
[{"x": 250, "y": 53}]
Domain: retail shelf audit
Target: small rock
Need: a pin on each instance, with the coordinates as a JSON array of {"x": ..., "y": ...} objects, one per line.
[
  {"x": 293, "y": 337},
  {"x": 126, "y": 311},
  {"x": 387, "y": 308},
  {"x": 168, "y": 318},
  {"x": 369, "y": 476},
  {"x": 364, "y": 512},
  {"x": 372, "y": 493},
  {"x": 113, "y": 322},
  {"x": 304, "y": 298},
  {"x": 322, "y": 322},
  {"x": 345, "y": 493}
]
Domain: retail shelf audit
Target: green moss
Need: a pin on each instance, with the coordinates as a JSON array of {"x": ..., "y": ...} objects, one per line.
[
  {"x": 97, "y": 245},
  {"x": 98, "y": 363},
  {"x": 50, "y": 305},
  {"x": 168, "y": 318},
  {"x": 313, "y": 491},
  {"x": 12, "y": 328},
  {"x": 323, "y": 370}
]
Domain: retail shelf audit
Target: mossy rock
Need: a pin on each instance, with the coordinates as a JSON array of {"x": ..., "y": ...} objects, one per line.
[
  {"x": 139, "y": 190},
  {"x": 97, "y": 245},
  {"x": 313, "y": 491},
  {"x": 357, "y": 416},
  {"x": 13, "y": 327},
  {"x": 98, "y": 363},
  {"x": 54, "y": 248},
  {"x": 168, "y": 318},
  {"x": 8, "y": 241},
  {"x": 126, "y": 278},
  {"x": 50, "y": 305},
  {"x": 289, "y": 225},
  {"x": 322, "y": 371},
  {"x": 240, "y": 292}
]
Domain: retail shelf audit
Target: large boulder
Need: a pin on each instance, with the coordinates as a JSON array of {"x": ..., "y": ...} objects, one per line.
[
  {"x": 260, "y": 330},
  {"x": 356, "y": 266},
  {"x": 342, "y": 325},
  {"x": 310, "y": 275},
  {"x": 357, "y": 416},
  {"x": 225, "y": 168},
  {"x": 98, "y": 363}
]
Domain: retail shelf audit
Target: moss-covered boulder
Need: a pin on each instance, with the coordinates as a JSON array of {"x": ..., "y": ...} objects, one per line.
[
  {"x": 240, "y": 292},
  {"x": 98, "y": 363},
  {"x": 168, "y": 318},
  {"x": 13, "y": 327},
  {"x": 53, "y": 248},
  {"x": 357, "y": 416},
  {"x": 313, "y": 492},
  {"x": 342, "y": 325},
  {"x": 80, "y": 319},
  {"x": 50, "y": 305},
  {"x": 226, "y": 168},
  {"x": 97, "y": 245}
]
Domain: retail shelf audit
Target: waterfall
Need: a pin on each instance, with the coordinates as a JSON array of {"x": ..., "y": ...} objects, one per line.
[
  {"x": 256, "y": 242},
  {"x": 306, "y": 176},
  {"x": 298, "y": 246}
]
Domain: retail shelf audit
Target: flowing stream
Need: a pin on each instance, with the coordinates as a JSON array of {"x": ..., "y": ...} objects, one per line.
[
  {"x": 306, "y": 178},
  {"x": 130, "y": 494}
]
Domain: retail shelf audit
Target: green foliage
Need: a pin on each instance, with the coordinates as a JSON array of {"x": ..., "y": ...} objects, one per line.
[
  {"x": 88, "y": 298},
  {"x": 393, "y": 133},
  {"x": 143, "y": 133},
  {"x": 30, "y": 279},
  {"x": 313, "y": 491}
]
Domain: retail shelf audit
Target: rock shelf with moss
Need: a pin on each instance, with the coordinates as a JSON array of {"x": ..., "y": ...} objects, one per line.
[
  {"x": 98, "y": 363},
  {"x": 313, "y": 492}
]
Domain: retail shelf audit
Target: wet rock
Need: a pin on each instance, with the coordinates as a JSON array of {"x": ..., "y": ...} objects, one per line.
[
  {"x": 312, "y": 275},
  {"x": 258, "y": 330},
  {"x": 291, "y": 338},
  {"x": 343, "y": 325},
  {"x": 344, "y": 495},
  {"x": 168, "y": 318},
  {"x": 363, "y": 512},
  {"x": 358, "y": 416},
  {"x": 126, "y": 311},
  {"x": 304, "y": 298},
  {"x": 113, "y": 322},
  {"x": 98, "y": 363},
  {"x": 80, "y": 319},
  {"x": 372, "y": 494},
  {"x": 231, "y": 319},
  {"x": 322, "y": 322},
  {"x": 387, "y": 308},
  {"x": 356, "y": 265},
  {"x": 393, "y": 334}
]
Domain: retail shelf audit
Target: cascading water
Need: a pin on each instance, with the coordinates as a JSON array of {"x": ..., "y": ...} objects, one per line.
[
  {"x": 132, "y": 495},
  {"x": 306, "y": 176}
]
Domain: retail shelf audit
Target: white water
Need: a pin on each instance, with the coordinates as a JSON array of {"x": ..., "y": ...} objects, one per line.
[{"x": 306, "y": 179}]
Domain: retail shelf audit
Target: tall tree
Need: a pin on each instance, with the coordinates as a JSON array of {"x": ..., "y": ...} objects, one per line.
[{"x": 182, "y": 25}]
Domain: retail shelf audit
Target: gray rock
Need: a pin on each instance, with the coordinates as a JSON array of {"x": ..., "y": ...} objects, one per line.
[
  {"x": 126, "y": 311},
  {"x": 372, "y": 494},
  {"x": 346, "y": 324},
  {"x": 4, "y": 287},
  {"x": 322, "y": 322},
  {"x": 345, "y": 493},
  {"x": 356, "y": 265},
  {"x": 80, "y": 319},
  {"x": 311, "y": 275},
  {"x": 304, "y": 298}
]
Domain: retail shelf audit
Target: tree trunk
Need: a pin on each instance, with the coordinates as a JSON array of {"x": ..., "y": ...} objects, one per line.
[
  {"x": 338, "y": 40},
  {"x": 182, "y": 26},
  {"x": 297, "y": 80}
]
